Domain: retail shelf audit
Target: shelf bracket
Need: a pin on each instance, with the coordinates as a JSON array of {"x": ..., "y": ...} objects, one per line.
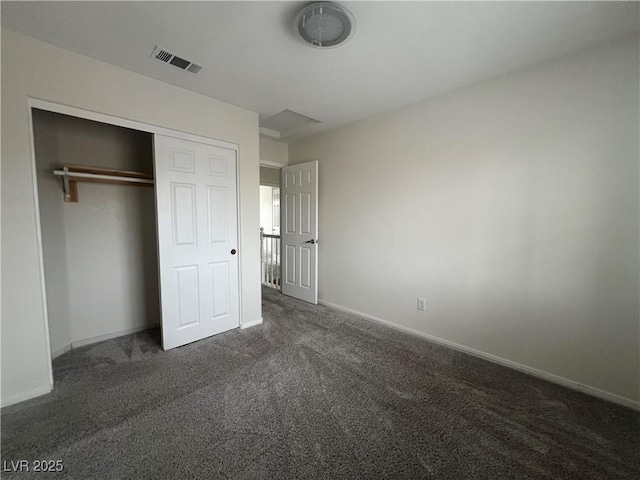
[{"x": 69, "y": 186}]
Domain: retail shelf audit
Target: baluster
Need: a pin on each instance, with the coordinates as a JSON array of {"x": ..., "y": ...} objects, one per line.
[
  {"x": 271, "y": 260},
  {"x": 278, "y": 260},
  {"x": 270, "y": 251},
  {"x": 262, "y": 273},
  {"x": 270, "y": 280}
]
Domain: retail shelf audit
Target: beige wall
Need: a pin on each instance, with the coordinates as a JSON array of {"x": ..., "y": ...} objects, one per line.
[
  {"x": 510, "y": 205},
  {"x": 272, "y": 151},
  {"x": 31, "y": 68},
  {"x": 100, "y": 254}
]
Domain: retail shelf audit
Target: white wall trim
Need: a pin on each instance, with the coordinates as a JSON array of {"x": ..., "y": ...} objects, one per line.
[
  {"x": 124, "y": 122},
  {"x": 627, "y": 402},
  {"x": 269, "y": 133},
  {"x": 62, "y": 351},
  {"x": 241, "y": 245},
  {"x": 109, "y": 336},
  {"x": 28, "y": 395},
  {"x": 43, "y": 284},
  {"x": 251, "y": 324},
  {"x": 270, "y": 164},
  {"x": 100, "y": 338}
]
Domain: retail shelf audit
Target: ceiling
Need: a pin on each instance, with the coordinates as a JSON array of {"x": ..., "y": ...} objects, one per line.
[{"x": 402, "y": 52}]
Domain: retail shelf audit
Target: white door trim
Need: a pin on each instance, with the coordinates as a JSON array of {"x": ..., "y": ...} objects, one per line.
[
  {"x": 119, "y": 122},
  {"x": 270, "y": 164},
  {"x": 43, "y": 286},
  {"x": 124, "y": 122}
]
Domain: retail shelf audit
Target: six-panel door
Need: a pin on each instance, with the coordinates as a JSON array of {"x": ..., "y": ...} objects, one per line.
[
  {"x": 298, "y": 231},
  {"x": 196, "y": 201}
]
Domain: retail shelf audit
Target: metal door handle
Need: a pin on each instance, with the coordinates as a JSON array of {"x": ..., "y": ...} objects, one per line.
[
  {"x": 310, "y": 241},
  {"x": 233, "y": 251}
]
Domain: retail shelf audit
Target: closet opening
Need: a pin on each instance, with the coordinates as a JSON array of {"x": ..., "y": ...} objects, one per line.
[{"x": 99, "y": 237}]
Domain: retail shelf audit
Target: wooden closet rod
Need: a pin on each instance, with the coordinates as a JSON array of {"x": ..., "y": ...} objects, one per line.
[
  {"x": 72, "y": 174},
  {"x": 102, "y": 177}
]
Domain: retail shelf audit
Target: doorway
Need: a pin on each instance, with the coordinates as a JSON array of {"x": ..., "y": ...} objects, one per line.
[
  {"x": 270, "y": 264},
  {"x": 99, "y": 249},
  {"x": 289, "y": 209},
  {"x": 101, "y": 280}
]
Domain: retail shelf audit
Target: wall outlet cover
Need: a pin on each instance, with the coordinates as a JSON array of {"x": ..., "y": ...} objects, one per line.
[{"x": 421, "y": 304}]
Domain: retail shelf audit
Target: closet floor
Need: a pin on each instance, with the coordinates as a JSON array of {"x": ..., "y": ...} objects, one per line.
[{"x": 120, "y": 350}]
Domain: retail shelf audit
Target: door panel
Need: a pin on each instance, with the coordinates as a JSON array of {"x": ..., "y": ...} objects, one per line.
[
  {"x": 196, "y": 201},
  {"x": 305, "y": 266},
  {"x": 289, "y": 265},
  {"x": 188, "y": 302},
  {"x": 299, "y": 231},
  {"x": 290, "y": 213},
  {"x": 183, "y": 209},
  {"x": 305, "y": 213},
  {"x": 219, "y": 273},
  {"x": 217, "y": 208}
]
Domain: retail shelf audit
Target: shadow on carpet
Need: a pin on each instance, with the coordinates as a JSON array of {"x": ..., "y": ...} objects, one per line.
[{"x": 311, "y": 394}]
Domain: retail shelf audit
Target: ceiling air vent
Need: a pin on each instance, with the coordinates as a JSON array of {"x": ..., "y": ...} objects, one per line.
[
  {"x": 193, "y": 68},
  {"x": 165, "y": 56}
]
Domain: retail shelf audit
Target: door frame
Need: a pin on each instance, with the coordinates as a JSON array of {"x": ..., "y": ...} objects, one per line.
[{"x": 133, "y": 125}]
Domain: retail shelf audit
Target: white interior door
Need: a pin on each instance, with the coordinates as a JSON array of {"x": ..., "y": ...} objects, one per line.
[
  {"x": 299, "y": 231},
  {"x": 196, "y": 201}
]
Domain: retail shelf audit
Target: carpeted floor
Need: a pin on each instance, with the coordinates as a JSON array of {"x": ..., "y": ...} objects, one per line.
[{"x": 312, "y": 394}]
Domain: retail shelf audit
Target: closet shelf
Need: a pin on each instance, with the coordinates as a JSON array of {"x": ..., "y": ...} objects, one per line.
[{"x": 72, "y": 174}]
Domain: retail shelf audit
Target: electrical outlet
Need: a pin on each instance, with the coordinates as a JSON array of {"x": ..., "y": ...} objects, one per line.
[{"x": 421, "y": 304}]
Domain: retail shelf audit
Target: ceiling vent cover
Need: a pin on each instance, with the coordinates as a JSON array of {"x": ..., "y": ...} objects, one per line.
[
  {"x": 325, "y": 24},
  {"x": 164, "y": 56}
]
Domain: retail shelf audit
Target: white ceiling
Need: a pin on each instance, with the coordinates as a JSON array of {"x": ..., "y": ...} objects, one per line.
[{"x": 402, "y": 51}]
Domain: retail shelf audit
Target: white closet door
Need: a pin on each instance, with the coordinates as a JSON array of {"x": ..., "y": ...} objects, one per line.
[
  {"x": 299, "y": 231},
  {"x": 196, "y": 202}
]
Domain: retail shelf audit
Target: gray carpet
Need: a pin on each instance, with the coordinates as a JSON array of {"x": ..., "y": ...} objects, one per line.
[{"x": 312, "y": 394}]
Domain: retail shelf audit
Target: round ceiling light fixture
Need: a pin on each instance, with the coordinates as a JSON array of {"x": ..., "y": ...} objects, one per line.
[{"x": 325, "y": 24}]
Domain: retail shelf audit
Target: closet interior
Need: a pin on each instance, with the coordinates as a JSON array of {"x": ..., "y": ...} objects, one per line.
[{"x": 98, "y": 229}]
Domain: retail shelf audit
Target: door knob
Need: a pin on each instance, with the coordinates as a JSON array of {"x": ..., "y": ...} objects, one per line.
[
  {"x": 310, "y": 241},
  {"x": 233, "y": 251}
]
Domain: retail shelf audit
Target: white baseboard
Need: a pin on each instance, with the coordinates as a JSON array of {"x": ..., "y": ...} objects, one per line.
[
  {"x": 63, "y": 350},
  {"x": 108, "y": 336},
  {"x": 596, "y": 392},
  {"x": 251, "y": 324},
  {"x": 36, "y": 392}
]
